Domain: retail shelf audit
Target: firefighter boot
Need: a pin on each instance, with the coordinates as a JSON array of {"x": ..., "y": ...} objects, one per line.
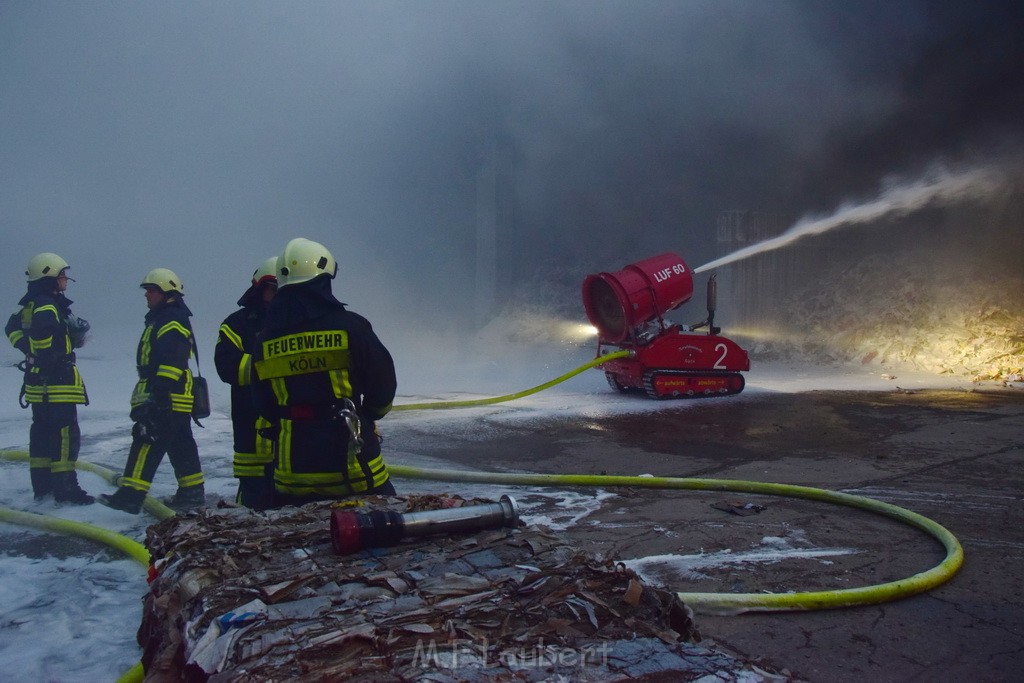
[
  {"x": 186, "y": 498},
  {"x": 67, "y": 490},
  {"x": 42, "y": 482},
  {"x": 125, "y": 499}
]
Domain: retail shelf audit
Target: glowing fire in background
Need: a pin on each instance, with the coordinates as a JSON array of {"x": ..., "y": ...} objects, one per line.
[
  {"x": 903, "y": 310},
  {"x": 931, "y": 278}
]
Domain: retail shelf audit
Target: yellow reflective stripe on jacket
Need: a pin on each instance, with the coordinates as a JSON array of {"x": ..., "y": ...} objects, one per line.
[
  {"x": 173, "y": 326},
  {"x": 284, "y": 445},
  {"x": 340, "y": 385},
  {"x": 331, "y": 483},
  {"x": 245, "y": 362},
  {"x": 47, "y": 394},
  {"x": 170, "y": 372},
  {"x": 323, "y": 483},
  {"x": 302, "y": 363},
  {"x": 145, "y": 347},
  {"x": 251, "y": 464},
  {"x": 18, "y": 333},
  {"x": 303, "y": 353},
  {"x": 245, "y": 370},
  {"x": 280, "y": 390},
  {"x": 180, "y": 402},
  {"x": 231, "y": 335},
  {"x": 300, "y": 342},
  {"x": 239, "y": 471},
  {"x": 48, "y": 307},
  {"x": 264, "y": 446},
  {"x": 56, "y": 393},
  {"x": 37, "y": 345}
]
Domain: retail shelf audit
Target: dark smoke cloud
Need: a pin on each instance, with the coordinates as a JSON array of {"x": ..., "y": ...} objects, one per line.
[
  {"x": 953, "y": 69},
  {"x": 202, "y": 136}
]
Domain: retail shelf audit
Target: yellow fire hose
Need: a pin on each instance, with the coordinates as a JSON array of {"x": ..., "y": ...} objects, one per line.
[
  {"x": 510, "y": 397},
  {"x": 132, "y": 549},
  {"x": 733, "y": 603},
  {"x": 724, "y": 602},
  {"x": 719, "y": 603},
  {"x": 128, "y": 546}
]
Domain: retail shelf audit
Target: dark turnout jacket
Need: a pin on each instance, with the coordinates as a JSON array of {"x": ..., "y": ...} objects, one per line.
[
  {"x": 236, "y": 342},
  {"x": 312, "y": 354},
  {"x": 40, "y": 330},
  {"x": 162, "y": 358}
]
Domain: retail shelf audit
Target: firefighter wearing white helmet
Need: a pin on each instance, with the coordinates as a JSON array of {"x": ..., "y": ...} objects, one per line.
[
  {"x": 163, "y": 279},
  {"x": 303, "y": 260},
  {"x": 43, "y": 265},
  {"x": 162, "y": 400},
  {"x": 47, "y": 332},
  {"x": 322, "y": 380},
  {"x": 236, "y": 342}
]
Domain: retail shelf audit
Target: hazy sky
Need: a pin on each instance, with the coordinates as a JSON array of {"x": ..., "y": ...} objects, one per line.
[{"x": 201, "y": 136}]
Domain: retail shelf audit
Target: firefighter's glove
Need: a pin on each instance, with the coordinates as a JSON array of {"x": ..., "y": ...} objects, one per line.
[
  {"x": 149, "y": 418},
  {"x": 78, "y": 330},
  {"x": 145, "y": 432}
]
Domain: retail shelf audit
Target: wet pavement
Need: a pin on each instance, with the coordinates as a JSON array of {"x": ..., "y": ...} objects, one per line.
[{"x": 955, "y": 457}]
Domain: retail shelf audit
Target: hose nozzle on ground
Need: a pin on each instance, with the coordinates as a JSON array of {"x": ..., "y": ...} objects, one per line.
[{"x": 354, "y": 531}]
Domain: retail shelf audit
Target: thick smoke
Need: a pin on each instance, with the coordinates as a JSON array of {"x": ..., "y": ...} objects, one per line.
[{"x": 202, "y": 137}]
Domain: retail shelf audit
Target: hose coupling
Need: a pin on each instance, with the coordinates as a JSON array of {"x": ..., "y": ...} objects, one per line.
[{"x": 347, "y": 412}]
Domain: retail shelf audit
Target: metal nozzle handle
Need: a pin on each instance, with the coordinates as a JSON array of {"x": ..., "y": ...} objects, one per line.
[{"x": 504, "y": 513}]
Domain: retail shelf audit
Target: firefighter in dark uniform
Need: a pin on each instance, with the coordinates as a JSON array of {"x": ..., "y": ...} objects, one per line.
[
  {"x": 323, "y": 379},
  {"x": 233, "y": 357},
  {"x": 162, "y": 401},
  {"x": 47, "y": 333}
]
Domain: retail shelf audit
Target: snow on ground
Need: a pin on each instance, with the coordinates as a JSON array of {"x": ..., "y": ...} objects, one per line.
[{"x": 69, "y": 608}]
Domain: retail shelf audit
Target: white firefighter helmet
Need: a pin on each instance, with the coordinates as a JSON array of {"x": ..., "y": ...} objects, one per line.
[
  {"x": 164, "y": 279},
  {"x": 304, "y": 260},
  {"x": 45, "y": 265},
  {"x": 266, "y": 272}
]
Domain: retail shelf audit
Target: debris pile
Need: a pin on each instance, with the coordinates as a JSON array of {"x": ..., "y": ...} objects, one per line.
[
  {"x": 243, "y": 596},
  {"x": 899, "y": 310}
]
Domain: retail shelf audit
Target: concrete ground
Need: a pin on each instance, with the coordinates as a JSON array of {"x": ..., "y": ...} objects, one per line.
[{"x": 955, "y": 457}]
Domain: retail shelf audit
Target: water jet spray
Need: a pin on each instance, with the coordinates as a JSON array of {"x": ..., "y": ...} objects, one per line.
[{"x": 898, "y": 200}]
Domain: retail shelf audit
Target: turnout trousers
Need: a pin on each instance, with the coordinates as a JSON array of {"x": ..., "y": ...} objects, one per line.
[
  {"x": 53, "y": 443},
  {"x": 173, "y": 438}
]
